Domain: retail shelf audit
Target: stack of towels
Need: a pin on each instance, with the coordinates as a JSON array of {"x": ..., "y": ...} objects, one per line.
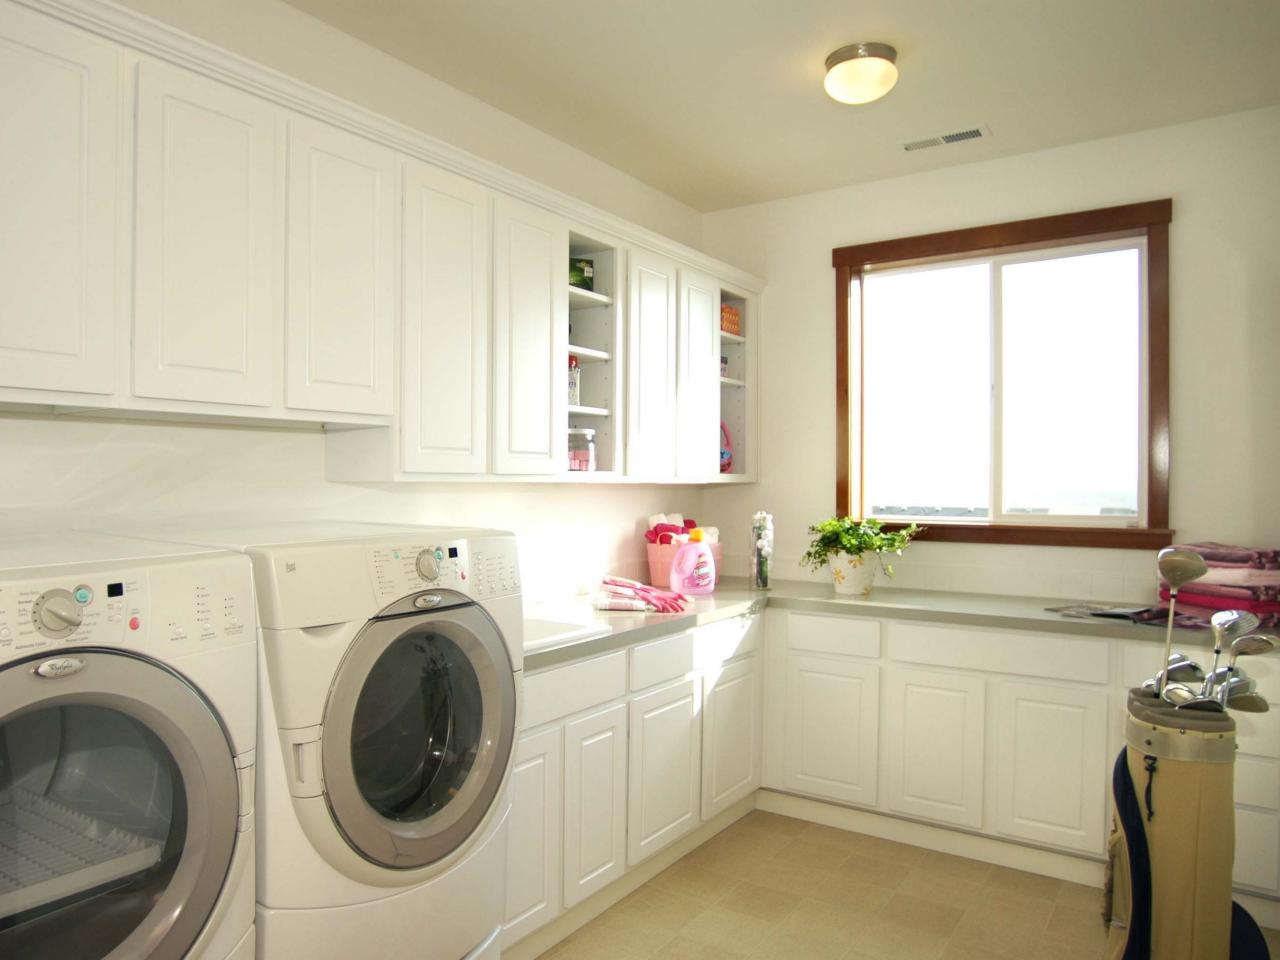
[{"x": 1239, "y": 578}]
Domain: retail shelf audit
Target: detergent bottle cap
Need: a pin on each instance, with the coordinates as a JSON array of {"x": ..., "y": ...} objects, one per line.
[{"x": 696, "y": 535}]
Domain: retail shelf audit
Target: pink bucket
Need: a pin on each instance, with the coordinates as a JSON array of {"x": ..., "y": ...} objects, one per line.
[{"x": 661, "y": 556}]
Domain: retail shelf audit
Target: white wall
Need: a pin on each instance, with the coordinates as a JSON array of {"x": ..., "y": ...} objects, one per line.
[
  {"x": 59, "y": 472},
  {"x": 279, "y": 36},
  {"x": 1225, "y": 336}
]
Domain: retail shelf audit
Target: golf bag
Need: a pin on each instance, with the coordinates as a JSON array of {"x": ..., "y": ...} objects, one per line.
[{"x": 1172, "y": 845}]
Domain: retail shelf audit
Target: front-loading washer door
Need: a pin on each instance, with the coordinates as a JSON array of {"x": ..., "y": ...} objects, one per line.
[
  {"x": 119, "y": 805},
  {"x": 417, "y": 733}
]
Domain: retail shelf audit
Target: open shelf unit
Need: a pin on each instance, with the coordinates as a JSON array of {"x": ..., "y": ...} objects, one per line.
[
  {"x": 595, "y": 338},
  {"x": 737, "y": 393}
]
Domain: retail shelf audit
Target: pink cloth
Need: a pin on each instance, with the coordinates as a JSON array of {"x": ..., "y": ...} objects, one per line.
[
  {"x": 1194, "y": 599},
  {"x": 1226, "y": 554}
]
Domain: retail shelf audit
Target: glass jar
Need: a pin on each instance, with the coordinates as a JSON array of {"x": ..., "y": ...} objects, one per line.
[
  {"x": 582, "y": 449},
  {"x": 761, "y": 549},
  {"x": 575, "y": 381}
]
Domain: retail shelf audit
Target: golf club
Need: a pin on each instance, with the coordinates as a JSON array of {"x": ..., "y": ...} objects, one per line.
[
  {"x": 1176, "y": 567},
  {"x": 1248, "y": 703},
  {"x": 1183, "y": 671},
  {"x": 1237, "y": 686},
  {"x": 1226, "y": 624}
]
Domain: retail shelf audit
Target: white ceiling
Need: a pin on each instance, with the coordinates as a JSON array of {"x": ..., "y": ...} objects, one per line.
[{"x": 719, "y": 102}]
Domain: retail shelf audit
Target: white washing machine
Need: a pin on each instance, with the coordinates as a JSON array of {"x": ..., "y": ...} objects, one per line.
[
  {"x": 128, "y": 682},
  {"x": 392, "y": 660}
]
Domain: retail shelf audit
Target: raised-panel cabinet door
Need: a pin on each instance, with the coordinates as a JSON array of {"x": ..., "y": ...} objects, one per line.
[
  {"x": 530, "y": 339},
  {"x": 1051, "y": 765},
  {"x": 58, "y": 143},
  {"x": 445, "y": 330},
  {"x": 1257, "y": 849},
  {"x": 730, "y": 735},
  {"x": 832, "y": 728},
  {"x": 340, "y": 301},
  {"x": 698, "y": 376},
  {"x": 595, "y": 802},
  {"x": 535, "y": 847},
  {"x": 208, "y": 240},
  {"x": 934, "y": 726},
  {"x": 666, "y": 747},
  {"x": 651, "y": 366}
]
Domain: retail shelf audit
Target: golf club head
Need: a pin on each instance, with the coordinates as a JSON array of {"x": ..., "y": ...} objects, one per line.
[
  {"x": 1181, "y": 671},
  {"x": 1233, "y": 623},
  {"x": 1248, "y": 703},
  {"x": 1252, "y": 645},
  {"x": 1222, "y": 675},
  {"x": 1236, "y": 685},
  {"x": 1178, "y": 694},
  {"x": 1180, "y": 566}
]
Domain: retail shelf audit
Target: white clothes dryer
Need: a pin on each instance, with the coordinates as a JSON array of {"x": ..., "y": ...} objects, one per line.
[
  {"x": 128, "y": 723},
  {"x": 392, "y": 660}
]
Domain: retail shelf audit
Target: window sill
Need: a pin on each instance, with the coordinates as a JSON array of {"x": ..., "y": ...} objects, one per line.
[{"x": 1118, "y": 538}]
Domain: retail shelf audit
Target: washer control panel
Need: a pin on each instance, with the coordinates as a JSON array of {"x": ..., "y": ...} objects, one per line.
[
  {"x": 168, "y": 609},
  {"x": 480, "y": 568}
]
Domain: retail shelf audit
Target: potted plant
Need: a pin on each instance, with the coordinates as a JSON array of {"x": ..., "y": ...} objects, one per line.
[{"x": 845, "y": 543}]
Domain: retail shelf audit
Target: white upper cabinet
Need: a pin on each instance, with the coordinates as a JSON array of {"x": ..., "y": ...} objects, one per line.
[
  {"x": 444, "y": 415},
  {"x": 530, "y": 339},
  {"x": 651, "y": 365},
  {"x": 698, "y": 377},
  {"x": 341, "y": 274},
  {"x": 58, "y": 147},
  {"x": 208, "y": 242}
]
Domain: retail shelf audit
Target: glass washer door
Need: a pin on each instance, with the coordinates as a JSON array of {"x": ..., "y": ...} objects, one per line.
[
  {"x": 119, "y": 805},
  {"x": 417, "y": 733}
]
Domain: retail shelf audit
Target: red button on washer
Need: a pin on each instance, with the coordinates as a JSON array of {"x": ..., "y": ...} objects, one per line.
[{"x": 134, "y": 623}]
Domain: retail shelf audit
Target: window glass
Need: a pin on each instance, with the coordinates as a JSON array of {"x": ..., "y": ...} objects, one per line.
[
  {"x": 926, "y": 372},
  {"x": 1071, "y": 406},
  {"x": 417, "y": 727}
]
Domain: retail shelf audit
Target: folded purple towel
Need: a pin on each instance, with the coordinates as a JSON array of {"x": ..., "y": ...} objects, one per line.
[{"x": 1215, "y": 553}]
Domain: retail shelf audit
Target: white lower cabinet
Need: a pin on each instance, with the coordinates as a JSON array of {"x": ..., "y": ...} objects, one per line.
[
  {"x": 1051, "y": 765},
  {"x": 730, "y": 734},
  {"x": 595, "y": 802},
  {"x": 535, "y": 846},
  {"x": 665, "y": 764},
  {"x": 832, "y": 724},
  {"x": 934, "y": 732}
]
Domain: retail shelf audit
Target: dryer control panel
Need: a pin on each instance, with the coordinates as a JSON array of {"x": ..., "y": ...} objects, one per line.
[
  {"x": 164, "y": 610},
  {"x": 480, "y": 568}
]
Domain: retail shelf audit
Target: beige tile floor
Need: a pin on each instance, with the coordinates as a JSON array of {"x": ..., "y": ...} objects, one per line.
[{"x": 772, "y": 887}]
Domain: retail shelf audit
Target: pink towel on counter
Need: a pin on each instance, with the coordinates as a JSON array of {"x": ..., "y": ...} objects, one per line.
[
  {"x": 1191, "y": 598},
  {"x": 1262, "y": 594}
]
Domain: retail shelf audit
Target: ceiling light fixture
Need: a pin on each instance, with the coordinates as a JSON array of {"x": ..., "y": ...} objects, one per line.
[{"x": 861, "y": 72}]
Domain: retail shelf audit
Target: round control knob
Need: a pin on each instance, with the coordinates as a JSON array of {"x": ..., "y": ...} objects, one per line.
[
  {"x": 56, "y": 613},
  {"x": 428, "y": 566}
]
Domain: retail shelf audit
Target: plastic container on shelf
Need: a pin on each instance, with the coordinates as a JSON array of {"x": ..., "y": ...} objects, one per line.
[
  {"x": 575, "y": 382},
  {"x": 582, "y": 449}
]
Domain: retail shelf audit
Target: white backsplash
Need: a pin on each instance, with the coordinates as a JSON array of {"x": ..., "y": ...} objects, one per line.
[{"x": 57, "y": 472}]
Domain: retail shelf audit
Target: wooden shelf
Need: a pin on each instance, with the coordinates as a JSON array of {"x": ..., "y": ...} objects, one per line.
[
  {"x": 588, "y": 354},
  {"x": 730, "y": 382},
  {"x": 732, "y": 337},
  {"x": 580, "y": 299},
  {"x": 588, "y": 411}
]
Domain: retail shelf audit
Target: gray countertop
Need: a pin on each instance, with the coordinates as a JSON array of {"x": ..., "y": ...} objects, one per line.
[{"x": 734, "y": 598}]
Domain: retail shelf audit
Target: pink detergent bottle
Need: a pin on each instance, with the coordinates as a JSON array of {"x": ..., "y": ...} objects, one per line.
[{"x": 693, "y": 571}]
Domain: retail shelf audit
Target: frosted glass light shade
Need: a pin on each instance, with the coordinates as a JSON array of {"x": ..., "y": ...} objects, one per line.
[{"x": 861, "y": 72}]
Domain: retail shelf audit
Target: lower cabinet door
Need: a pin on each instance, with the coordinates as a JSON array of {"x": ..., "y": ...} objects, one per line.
[
  {"x": 934, "y": 725},
  {"x": 666, "y": 742},
  {"x": 535, "y": 849},
  {"x": 832, "y": 728},
  {"x": 595, "y": 802},
  {"x": 730, "y": 735},
  {"x": 1051, "y": 765},
  {"x": 1257, "y": 858}
]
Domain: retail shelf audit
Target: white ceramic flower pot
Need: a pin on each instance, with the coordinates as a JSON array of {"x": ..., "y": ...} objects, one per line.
[{"x": 853, "y": 576}]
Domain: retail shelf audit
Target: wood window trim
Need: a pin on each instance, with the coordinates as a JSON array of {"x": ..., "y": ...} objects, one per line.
[{"x": 1150, "y": 219}]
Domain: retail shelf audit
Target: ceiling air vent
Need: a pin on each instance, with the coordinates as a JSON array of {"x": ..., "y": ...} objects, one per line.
[{"x": 959, "y": 136}]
